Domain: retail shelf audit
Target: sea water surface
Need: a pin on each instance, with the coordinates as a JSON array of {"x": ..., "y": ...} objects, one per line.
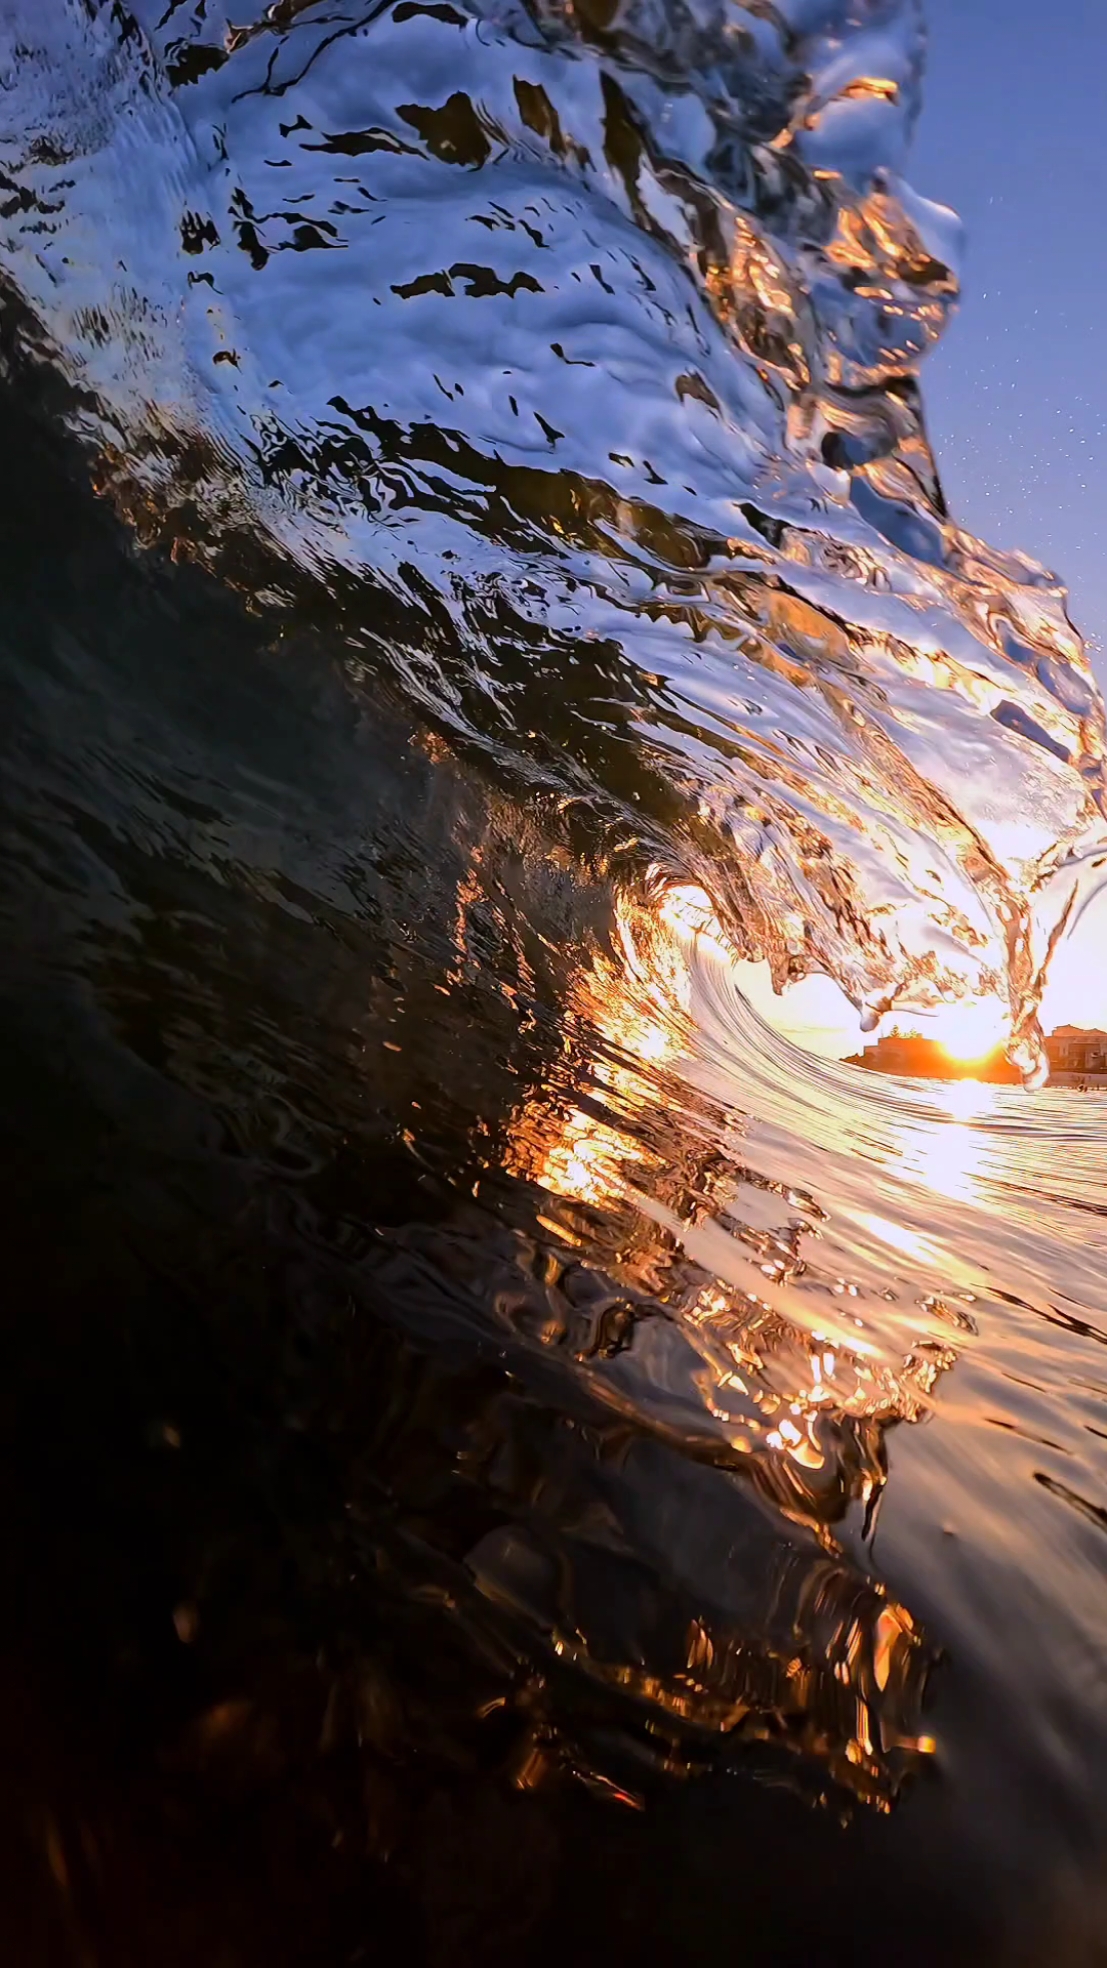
[{"x": 507, "y": 1455}]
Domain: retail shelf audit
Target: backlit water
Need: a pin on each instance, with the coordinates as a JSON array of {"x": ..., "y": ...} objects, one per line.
[{"x": 507, "y": 1456}]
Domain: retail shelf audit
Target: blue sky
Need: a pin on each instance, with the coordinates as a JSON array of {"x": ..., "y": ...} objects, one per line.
[{"x": 1014, "y": 136}]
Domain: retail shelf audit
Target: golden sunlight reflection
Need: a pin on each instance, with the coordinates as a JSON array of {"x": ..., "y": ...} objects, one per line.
[
  {"x": 950, "y": 1156},
  {"x": 734, "y": 1257},
  {"x": 725, "y": 1324}
]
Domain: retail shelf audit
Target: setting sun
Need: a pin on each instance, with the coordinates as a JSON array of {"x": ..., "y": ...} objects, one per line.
[{"x": 969, "y": 1031}]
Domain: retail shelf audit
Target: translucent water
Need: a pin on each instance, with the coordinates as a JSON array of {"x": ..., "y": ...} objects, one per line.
[{"x": 628, "y": 1405}]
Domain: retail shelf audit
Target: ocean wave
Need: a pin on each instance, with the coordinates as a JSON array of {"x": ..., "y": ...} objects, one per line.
[
  {"x": 559, "y": 366},
  {"x": 568, "y": 358}
]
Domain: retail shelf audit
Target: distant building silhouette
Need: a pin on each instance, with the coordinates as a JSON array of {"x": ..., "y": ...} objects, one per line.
[
  {"x": 1076, "y": 1058},
  {"x": 912, "y": 1057}
]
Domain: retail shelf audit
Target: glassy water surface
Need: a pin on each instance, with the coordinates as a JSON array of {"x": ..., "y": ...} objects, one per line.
[{"x": 515, "y": 1448}]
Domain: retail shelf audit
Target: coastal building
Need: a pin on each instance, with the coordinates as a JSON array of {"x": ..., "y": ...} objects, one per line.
[{"x": 1077, "y": 1056}]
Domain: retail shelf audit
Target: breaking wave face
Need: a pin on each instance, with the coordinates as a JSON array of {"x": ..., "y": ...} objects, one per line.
[
  {"x": 572, "y": 354},
  {"x": 556, "y": 366}
]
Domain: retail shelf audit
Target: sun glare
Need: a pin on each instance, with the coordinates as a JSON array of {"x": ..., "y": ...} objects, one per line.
[{"x": 968, "y": 1031}]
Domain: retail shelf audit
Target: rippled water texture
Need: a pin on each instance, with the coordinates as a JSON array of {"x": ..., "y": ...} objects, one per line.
[{"x": 507, "y": 1458}]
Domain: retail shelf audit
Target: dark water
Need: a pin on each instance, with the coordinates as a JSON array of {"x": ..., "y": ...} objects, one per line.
[{"x": 505, "y": 1457}]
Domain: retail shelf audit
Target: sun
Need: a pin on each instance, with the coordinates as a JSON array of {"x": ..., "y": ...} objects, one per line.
[{"x": 969, "y": 1030}]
